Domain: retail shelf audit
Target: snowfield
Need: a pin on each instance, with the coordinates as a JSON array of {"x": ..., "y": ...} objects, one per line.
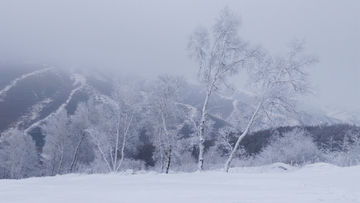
[{"x": 275, "y": 183}]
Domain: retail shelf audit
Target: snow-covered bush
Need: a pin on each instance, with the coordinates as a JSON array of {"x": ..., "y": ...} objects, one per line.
[
  {"x": 295, "y": 148},
  {"x": 349, "y": 154},
  {"x": 18, "y": 156}
]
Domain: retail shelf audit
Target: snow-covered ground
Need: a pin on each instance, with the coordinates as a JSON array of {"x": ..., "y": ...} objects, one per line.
[{"x": 312, "y": 183}]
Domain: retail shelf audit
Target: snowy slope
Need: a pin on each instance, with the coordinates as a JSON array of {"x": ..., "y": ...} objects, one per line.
[
  {"x": 313, "y": 183},
  {"x": 17, "y": 80},
  {"x": 29, "y": 97},
  {"x": 79, "y": 81},
  {"x": 348, "y": 115}
]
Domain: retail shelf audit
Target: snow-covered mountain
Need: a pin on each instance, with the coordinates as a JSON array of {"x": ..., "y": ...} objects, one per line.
[
  {"x": 347, "y": 115},
  {"x": 241, "y": 103},
  {"x": 30, "y": 93}
]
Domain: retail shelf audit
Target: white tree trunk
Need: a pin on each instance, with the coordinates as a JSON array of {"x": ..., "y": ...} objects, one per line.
[
  {"x": 236, "y": 147},
  {"x": 76, "y": 153},
  {"x": 202, "y": 132},
  {"x": 161, "y": 152},
  {"x": 122, "y": 152},
  {"x": 117, "y": 143},
  {"x": 169, "y": 144},
  {"x": 126, "y": 131},
  {"x": 97, "y": 143}
]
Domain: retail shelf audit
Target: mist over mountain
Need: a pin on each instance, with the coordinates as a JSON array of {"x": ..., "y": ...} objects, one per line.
[{"x": 29, "y": 93}]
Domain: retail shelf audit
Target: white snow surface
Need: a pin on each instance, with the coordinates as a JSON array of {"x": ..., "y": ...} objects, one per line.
[{"x": 313, "y": 183}]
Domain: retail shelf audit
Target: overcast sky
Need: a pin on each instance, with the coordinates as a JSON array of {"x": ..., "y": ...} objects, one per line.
[{"x": 150, "y": 37}]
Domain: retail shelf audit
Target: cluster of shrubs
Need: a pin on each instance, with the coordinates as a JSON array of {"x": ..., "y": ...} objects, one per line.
[{"x": 297, "y": 148}]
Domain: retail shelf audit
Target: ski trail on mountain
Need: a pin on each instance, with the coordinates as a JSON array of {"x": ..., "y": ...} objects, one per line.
[
  {"x": 100, "y": 97},
  {"x": 17, "y": 80},
  {"x": 34, "y": 112},
  {"x": 77, "y": 79}
]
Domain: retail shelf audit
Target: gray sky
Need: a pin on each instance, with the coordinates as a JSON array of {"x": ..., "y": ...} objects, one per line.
[{"x": 150, "y": 37}]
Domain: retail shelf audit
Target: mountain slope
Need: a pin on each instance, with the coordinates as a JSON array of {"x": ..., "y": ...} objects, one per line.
[
  {"x": 30, "y": 98},
  {"x": 30, "y": 93}
]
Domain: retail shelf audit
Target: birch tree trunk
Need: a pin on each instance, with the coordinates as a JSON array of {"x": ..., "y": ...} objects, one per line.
[
  {"x": 202, "y": 132},
  {"x": 219, "y": 56},
  {"x": 76, "y": 153},
  {"x": 117, "y": 142},
  {"x": 163, "y": 105},
  {"x": 236, "y": 147},
  {"x": 169, "y": 144},
  {"x": 126, "y": 131}
]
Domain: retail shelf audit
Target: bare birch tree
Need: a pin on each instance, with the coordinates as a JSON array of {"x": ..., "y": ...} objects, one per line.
[
  {"x": 164, "y": 98},
  {"x": 81, "y": 121},
  {"x": 67, "y": 144},
  {"x": 218, "y": 56},
  {"x": 117, "y": 127},
  {"x": 57, "y": 146},
  {"x": 128, "y": 105},
  {"x": 276, "y": 82}
]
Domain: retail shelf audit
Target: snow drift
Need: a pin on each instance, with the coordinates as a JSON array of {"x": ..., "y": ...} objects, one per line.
[{"x": 274, "y": 183}]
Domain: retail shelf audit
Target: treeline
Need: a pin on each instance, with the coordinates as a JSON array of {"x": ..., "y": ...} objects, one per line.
[
  {"x": 145, "y": 127},
  {"x": 324, "y": 136}
]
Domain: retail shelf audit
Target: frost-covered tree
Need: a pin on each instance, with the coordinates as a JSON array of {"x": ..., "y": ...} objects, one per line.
[
  {"x": 117, "y": 129},
  {"x": 18, "y": 156},
  {"x": 163, "y": 102},
  {"x": 219, "y": 56},
  {"x": 193, "y": 121},
  {"x": 349, "y": 152},
  {"x": 57, "y": 151},
  {"x": 67, "y": 144},
  {"x": 277, "y": 82},
  {"x": 81, "y": 121},
  {"x": 351, "y": 147}
]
